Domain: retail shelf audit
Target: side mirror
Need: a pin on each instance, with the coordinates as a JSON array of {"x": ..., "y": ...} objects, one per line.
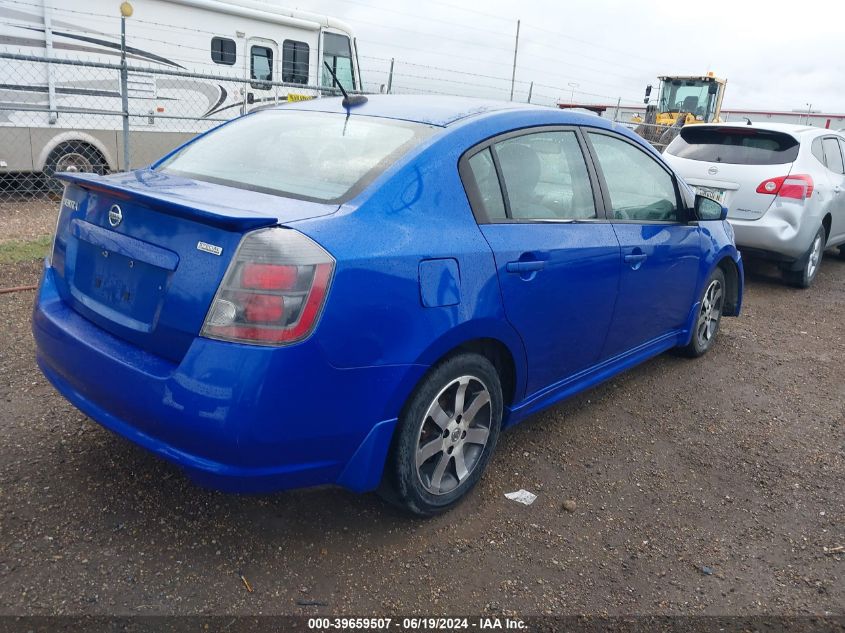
[{"x": 708, "y": 209}]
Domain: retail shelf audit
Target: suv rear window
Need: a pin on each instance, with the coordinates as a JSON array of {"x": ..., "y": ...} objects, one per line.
[
  {"x": 315, "y": 156},
  {"x": 734, "y": 145}
]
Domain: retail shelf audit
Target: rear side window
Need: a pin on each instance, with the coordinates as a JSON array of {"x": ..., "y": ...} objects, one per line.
[
  {"x": 306, "y": 155},
  {"x": 223, "y": 51},
  {"x": 818, "y": 151},
  {"x": 640, "y": 189},
  {"x": 546, "y": 177},
  {"x": 833, "y": 155},
  {"x": 734, "y": 145},
  {"x": 295, "y": 62},
  {"x": 486, "y": 181}
]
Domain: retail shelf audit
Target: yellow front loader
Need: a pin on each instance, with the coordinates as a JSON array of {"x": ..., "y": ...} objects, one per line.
[{"x": 682, "y": 100}]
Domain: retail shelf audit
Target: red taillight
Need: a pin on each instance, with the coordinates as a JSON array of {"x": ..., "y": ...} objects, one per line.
[
  {"x": 268, "y": 276},
  {"x": 797, "y": 186},
  {"x": 264, "y": 308},
  {"x": 273, "y": 291}
]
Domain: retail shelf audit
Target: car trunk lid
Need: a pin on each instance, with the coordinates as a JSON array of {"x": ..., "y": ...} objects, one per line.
[{"x": 142, "y": 254}]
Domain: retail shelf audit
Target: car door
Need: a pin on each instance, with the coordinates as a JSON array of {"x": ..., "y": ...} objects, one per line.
[
  {"x": 661, "y": 252},
  {"x": 834, "y": 149},
  {"x": 537, "y": 202}
]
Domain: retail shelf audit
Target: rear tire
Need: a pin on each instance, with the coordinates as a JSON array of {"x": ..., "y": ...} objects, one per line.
[
  {"x": 709, "y": 316},
  {"x": 446, "y": 434},
  {"x": 842, "y": 252},
  {"x": 811, "y": 260}
]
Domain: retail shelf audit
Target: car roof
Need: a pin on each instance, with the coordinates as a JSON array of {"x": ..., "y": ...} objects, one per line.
[{"x": 427, "y": 109}]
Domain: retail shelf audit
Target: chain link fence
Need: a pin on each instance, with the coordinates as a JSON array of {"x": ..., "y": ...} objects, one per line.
[
  {"x": 72, "y": 115},
  {"x": 67, "y": 115}
]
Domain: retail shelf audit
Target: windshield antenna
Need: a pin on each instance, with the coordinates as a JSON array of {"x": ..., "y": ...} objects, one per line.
[{"x": 348, "y": 101}]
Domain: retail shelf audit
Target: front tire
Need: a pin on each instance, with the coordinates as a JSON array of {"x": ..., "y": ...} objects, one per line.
[
  {"x": 446, "y": 434},
  {"x": 812, "y": 262},
  {"x": 709, "y": 315}
]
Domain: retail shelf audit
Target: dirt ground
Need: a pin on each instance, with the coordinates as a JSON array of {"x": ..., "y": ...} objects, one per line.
[
  {"x": 714, "y": 486},
  {"x": 26, "y": 220}
]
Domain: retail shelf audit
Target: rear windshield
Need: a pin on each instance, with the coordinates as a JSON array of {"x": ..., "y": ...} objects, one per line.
[
  {"x": 737, "y": 146},
  {"x": 314, "y": 156}
]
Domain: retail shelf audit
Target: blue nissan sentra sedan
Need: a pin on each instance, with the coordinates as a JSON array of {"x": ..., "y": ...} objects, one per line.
[{"x": 365, "y": 296}]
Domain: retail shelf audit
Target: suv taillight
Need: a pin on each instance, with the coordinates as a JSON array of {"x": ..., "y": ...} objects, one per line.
[
  {"x": 273, "y": 291},
  {"x": 798, "y": 186}
]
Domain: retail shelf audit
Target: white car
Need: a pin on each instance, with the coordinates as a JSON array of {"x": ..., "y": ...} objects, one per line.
[{"x": 783, "y": 185}]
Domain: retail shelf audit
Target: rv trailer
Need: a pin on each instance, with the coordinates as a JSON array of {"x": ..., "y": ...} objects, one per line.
[{"x": 190, "y": 65}]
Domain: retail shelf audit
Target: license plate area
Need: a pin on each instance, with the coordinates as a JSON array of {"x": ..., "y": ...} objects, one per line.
[
  {"x": 119, "y": 284},
  {"x": 710, "y": 192}
]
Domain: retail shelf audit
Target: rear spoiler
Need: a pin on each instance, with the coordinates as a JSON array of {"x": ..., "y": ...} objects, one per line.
[{"x": 162, "y": 193}]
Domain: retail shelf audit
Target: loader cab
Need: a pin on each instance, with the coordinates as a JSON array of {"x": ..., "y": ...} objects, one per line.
[{"x": 698, "y": 98}]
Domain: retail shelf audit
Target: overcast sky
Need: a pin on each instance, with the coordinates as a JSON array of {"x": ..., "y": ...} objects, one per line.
[{"x": 775, "y": 55}]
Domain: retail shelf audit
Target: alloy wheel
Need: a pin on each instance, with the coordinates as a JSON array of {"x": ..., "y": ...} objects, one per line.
[
  {"x": 453, "y": 435},
  {"x": 815, "y": 257},
  {"x": 711, "y": 312}
]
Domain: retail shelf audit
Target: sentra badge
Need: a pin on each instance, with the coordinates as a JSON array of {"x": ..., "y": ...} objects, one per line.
[{"x": 209, "y": 248}]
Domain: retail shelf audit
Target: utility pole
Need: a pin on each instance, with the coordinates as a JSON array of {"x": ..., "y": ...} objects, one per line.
[
  {"x": 390, "y": 76},
  {"x": 515, "y": 50},
  {"x": 530, "y": 90},
  {"x": 125, "y": 12},
  {"x": 809, "y": 110},
  {"x": 573, "y": 85}
]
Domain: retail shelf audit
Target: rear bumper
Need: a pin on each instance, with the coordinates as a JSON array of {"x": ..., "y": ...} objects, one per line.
[
  {"x": 236, "y": 417},
  {"x": 784, "y": 233}
]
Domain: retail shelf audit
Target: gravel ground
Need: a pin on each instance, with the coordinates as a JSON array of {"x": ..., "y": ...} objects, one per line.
[{"x": 700, "y": 487}]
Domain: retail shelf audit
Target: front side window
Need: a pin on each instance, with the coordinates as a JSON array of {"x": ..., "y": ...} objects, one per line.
[
  {"x": 545, "y": 177},
  {"x": 832, "y": 155},
  {"x": 261, "y": 67},
  {"x": 640, "y": 189},
  {"x": 223, "y": 51},
  {"x": 337, "y": 53},
  {"x": 306, "y": 155},
  {"x": 295, "y": 62}
]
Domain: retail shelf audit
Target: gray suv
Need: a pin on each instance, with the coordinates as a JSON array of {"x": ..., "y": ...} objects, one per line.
[{"x": 783, "y": 185}]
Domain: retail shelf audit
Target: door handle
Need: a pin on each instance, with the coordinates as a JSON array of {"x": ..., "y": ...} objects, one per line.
[
  {"x": 525, "y": 267},
  {"x": 635, "y": 260},
  {"x": 837, "y": 189}
]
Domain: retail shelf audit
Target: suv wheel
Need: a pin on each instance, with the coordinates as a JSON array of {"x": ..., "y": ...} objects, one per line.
[
  {"x": 445, "y": 436},
  {"x": 812, "y": 260},
  {"x": 709, "y": 315}
]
